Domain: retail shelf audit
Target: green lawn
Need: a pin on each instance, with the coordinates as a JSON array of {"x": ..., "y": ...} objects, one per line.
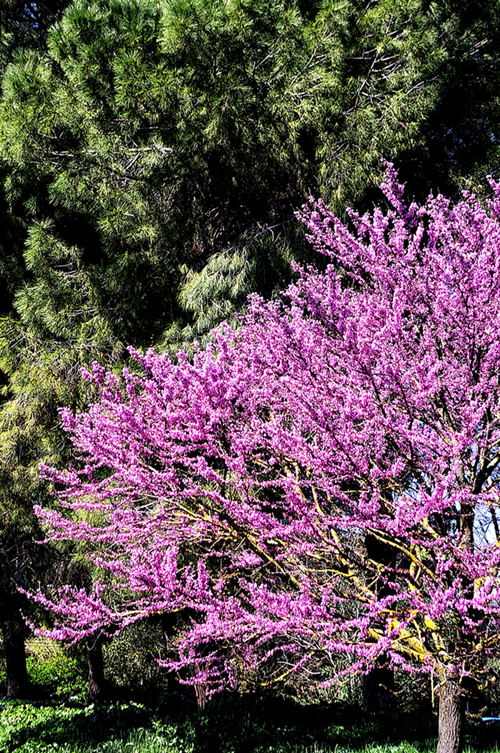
[{"x": 240, "y": 725}]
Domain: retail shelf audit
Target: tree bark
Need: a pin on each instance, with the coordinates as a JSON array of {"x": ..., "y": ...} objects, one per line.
[
  {"x": 13, "y": 634},
  {"x": 169, "y": 622},
  {"x": 97, "y": 686},
  {"x": 450, "y": 715},
  {"x": 201, "y": 695},
  {"x": 15, "y": 566}
]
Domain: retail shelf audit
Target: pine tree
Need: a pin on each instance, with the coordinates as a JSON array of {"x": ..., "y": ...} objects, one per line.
[
  {"x": 151, "y": 136},
  {"x": 55, "y": 329},
  {"x": 403, "y": 80},
  {"x": 158, "y": 135}
]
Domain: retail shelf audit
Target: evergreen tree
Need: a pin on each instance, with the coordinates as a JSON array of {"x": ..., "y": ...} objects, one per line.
[
  {"x": 406, "y": 80},
  {"x": 25, "y": 25},
  {"x": 22, "y": 25},
  {"x": 155, "y": 135},
  {"x": 56, "y": 328}
]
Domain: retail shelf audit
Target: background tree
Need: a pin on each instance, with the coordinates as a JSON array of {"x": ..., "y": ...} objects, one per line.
[
  {"x": 412, "y": 84},
  {"x": 56, "y": 329},
  {"x": 403, "y": 80},
  {"x": 22, "y": 25},
  {"x": 158, "y": 135},
  {"x": 148, "y": 135}
]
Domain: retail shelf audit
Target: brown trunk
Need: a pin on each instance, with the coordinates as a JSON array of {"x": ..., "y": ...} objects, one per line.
[
  {"x": 450, "y": 716},
  {"x": 171, "y": 622},
  {"x": 96, "y": 688},
  {"x": 13, "y": 633},
  {"x": 201, "y": 695}
]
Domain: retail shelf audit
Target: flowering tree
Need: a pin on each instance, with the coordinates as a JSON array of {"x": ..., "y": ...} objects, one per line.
[{"x": 244, "y": 485}]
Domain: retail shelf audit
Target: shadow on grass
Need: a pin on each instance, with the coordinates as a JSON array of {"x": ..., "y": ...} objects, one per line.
[
  {"x": 233, "y": 724},
  {"x": 253, "y": 723},
  {"x": 57, "y": 724}
]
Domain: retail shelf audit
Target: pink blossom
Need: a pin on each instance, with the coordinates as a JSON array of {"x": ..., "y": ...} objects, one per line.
[{"x": 243, "y": 485}]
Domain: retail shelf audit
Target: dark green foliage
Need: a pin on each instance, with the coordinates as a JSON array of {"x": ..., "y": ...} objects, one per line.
[
  {"x": 153, "y": 135},
  {"x": 459, "y": 145},
  {"x": 57, "y": 331},
  {"x": 23, "y": 25},
  {"x": 130, "y": 661},
  {"x": 259, "y": 263},
  {"x": 410, "y": 81}
]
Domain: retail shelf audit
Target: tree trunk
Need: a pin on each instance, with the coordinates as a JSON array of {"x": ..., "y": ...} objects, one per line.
[
  {"x": 14, "y": 633},
  {"x": 201, "y": 695},
  {"x": 170, "y": 622},
  {"x": 97, "y": 687},
  {"x": 450, "y": 716}
]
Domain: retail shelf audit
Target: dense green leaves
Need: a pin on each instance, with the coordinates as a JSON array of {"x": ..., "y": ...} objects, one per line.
[
  {"x": 156, "y": 135},
  {"x": 407, "y": 82}
]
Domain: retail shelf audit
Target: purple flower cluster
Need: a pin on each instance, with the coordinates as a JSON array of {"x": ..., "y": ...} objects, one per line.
[{"x": 242, "y": 486}]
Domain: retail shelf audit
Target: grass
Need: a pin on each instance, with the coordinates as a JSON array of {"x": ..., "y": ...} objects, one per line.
[{"x": 233, "y": 725}]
